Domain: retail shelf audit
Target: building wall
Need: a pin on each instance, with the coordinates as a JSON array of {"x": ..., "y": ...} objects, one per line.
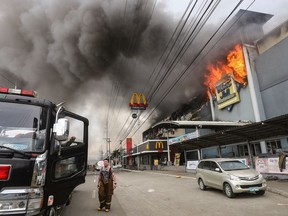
[
  {"x": 241, "y": 111},
  {"x": 272, "y": 71},
  {"x": 269, "y": 40}
]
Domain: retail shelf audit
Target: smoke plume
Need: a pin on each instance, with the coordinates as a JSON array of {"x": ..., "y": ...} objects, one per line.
[{"x": 77, "y": 50}]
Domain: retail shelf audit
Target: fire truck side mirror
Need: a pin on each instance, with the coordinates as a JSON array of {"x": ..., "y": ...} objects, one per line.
[{"x": 61, "y": 129}]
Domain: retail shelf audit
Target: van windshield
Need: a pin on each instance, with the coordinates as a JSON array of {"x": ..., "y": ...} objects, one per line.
[
  {"x": 232, "y": 165},
  {"x": 22, "y": 126}
]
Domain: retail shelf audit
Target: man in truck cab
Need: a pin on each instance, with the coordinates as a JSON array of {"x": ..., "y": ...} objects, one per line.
[{"x": 69, "y": 142}]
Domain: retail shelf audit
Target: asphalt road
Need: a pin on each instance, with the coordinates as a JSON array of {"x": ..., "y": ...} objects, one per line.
[{"x": 148, "y": 194}]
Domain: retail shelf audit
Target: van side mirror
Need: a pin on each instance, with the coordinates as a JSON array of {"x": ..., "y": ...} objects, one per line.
[
  {"x": 217, "y": 169},
  {"x": 61, "y": 129}
]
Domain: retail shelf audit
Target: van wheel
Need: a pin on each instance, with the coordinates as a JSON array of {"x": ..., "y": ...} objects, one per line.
[
  {"x": 201, "y": 184},
  {"x": 228, "y": 191},
  {"x": 261, "y": 192},
  {"x": 51, "y": 212}
]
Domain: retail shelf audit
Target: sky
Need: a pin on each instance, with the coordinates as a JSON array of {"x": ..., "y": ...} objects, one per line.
[{"x": 94, "y": 54}]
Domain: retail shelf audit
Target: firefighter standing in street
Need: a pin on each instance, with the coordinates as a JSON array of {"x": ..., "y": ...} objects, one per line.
[{"x": 106, "y": 185}]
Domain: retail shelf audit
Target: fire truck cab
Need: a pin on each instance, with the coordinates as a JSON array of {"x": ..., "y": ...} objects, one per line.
[{"x": 40, "y": 164}]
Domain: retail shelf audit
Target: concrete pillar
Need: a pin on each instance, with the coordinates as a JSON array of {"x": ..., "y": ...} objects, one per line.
[{"x": 249, "y": 53}]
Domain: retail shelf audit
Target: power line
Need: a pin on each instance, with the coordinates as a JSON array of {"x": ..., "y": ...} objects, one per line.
[
  {"x": 179, "y": 54},
  {"x": 178, "y": 37},
  {"x": 129, "y": 128},
  {"x": 131, "y": 44},
  {"x": 194, "y": 59},
  {"x": 15, "y": 84},
  {"x": 166, "y": 48}
]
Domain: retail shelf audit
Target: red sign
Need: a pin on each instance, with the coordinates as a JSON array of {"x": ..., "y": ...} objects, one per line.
[{"x": 129, "y": 146}]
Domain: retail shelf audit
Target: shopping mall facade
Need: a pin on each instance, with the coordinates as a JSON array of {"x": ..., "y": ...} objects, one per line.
[{"x": 248, "y": 117}]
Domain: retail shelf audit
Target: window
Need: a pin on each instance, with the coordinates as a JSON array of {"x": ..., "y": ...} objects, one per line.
[
  {"x": 23, "y": 126},
  {"x": 213, "y": 166},
  {"x": 206, "y": 165},
  {"x": 256, "y": 149},
  {"x": 243, "y": 150},
  {"x": 273, "y": 145},
  {"x": 192, "y": 155},
  {"x": 201, "y": 164},
  {"x": 76, "y": 128},
  {"x": 68, "y": 167},
  {"x": 233, "y": 165},
  {"x": 210, "y": 152}
]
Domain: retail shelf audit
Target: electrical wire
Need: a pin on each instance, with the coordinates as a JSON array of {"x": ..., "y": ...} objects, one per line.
[
  {"x": 194, "y": 59},
  {"x": 129, "y": 47}
]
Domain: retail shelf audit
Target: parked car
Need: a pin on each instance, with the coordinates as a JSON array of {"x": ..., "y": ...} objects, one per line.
[{"x": 230, "y": 175}]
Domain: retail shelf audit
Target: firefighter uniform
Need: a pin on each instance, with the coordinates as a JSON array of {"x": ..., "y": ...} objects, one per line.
[{"x": 106, "y": 185}]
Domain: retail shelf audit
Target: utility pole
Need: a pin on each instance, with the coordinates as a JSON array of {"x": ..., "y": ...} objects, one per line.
[
  {"x": 106, "y": 136},
  {"x": 108, "y": 141},
  {"x": 168, "y": 148},
  {"x": 121, "y": 152}
]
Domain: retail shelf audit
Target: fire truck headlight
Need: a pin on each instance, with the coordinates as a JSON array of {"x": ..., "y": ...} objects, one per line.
[
  {"x": 34, "y": 204},
  {"x": 35, "y": 199},
  {"x": 19, "y": 201},
  {"x": 13, "y": 205}
]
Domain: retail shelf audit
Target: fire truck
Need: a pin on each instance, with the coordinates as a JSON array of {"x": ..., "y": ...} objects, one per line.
[{"x": 39, "y": 165}]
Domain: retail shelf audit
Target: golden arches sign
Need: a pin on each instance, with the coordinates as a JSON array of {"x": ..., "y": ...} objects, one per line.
[
  {"x": 138, "y": 101},
  {"x": 159, "y": 145}
]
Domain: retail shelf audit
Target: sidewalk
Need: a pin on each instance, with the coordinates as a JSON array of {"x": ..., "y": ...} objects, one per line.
[
  {"x": 275, "y": 186},
  {"x": 278, "y": 186}
]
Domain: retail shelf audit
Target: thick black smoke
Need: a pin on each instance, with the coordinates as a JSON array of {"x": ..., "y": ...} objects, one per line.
[
  {"x": 75, "y": 50},
  {"x": 67, "y": 43}
]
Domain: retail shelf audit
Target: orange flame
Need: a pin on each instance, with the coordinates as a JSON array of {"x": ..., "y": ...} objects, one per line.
[{"x": 234, "y": 64}]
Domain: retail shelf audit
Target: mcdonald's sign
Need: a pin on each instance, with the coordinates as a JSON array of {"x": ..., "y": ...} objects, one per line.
[
  {"x": 153, "y": 145},
  {"x": 159, "y": 145},
  {"x": 138, "y": 101}
]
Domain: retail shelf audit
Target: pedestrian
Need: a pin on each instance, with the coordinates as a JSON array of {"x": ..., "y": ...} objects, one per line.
[{"x": 106, "y": 185}]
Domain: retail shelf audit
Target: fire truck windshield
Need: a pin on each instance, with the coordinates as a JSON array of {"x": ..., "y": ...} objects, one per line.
[{"x": 22, "y": 126}]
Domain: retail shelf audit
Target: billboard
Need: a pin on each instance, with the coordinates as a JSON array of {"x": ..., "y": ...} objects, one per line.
[
  {"x": 269, "y": 165},
  {"x": 226, "y": 92}
]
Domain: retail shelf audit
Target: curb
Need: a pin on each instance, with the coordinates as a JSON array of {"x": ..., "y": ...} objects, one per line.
[{"x": 277, "y": 191}]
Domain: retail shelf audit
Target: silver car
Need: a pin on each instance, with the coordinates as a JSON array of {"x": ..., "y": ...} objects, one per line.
[{"x": 230, "y": 175}]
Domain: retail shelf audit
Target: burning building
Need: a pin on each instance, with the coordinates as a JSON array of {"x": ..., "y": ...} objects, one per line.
[{"x": 246, "y": 82}]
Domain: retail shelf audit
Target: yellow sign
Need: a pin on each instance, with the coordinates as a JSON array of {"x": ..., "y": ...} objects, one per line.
[
  {"x": 159, "y": 145},
  {"x": 226, "y": 92},
  {"x": 177, "y": 159},
  {"x": 147, "y": 146},
  {"x": 156, "y": 162},
  {"x": 138, "y": 101}
]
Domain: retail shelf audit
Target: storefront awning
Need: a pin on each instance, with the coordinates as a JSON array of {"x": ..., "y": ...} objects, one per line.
[
  {"x": 201, "y": 124},
  {"x": 268, "y": 129},
  {"x": 145, "y": 152}
]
